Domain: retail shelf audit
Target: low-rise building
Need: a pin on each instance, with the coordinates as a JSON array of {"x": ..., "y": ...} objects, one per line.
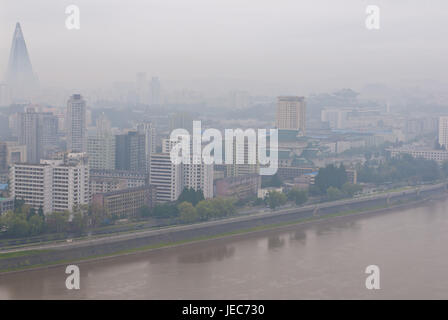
[
  {"x": 428, "y": 154},
  {"x": 6, "y": 204},
  {"x": 240, "y": 186},
  {"x": 263, "y": 192},
  {"x": 102, "y": 181},
  {"x": 126, "y": 203}
]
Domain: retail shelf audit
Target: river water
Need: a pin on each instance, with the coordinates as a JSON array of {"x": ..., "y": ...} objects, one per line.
[{"x": 324, "y": 260}]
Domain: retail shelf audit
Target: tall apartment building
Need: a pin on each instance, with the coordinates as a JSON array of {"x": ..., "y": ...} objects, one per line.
[
  {"x": 76, "y": 124},
  {"x": 443, "y": 131},
  {"x": 291, "y": 113},
  {"x": 155, "y": 91},
  {"x": 147, "y": 129},
  {"x": 130, "y": 152},
  {"x": 3, "y": 157},
  {"x": 101, "y": 152},
  {"x": 3, "y": 163},
  {"x": 166, "y": 177},
  {"x": 54, "y": 185},
  {"x": 199, "y": 177},
  {"x": 181, "y": 120},
  {"x": 241, "y": 151},
  {"x": 38, "y": 132},
  {"x": 101, "y": 146}
]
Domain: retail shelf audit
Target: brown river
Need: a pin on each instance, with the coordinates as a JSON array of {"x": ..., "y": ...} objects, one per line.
[{"x": 323, "y": 260}]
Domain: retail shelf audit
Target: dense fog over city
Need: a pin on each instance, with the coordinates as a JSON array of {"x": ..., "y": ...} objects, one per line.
[
  {"x": 211, "y": 149},
  {"x": 265, "y": 47}
]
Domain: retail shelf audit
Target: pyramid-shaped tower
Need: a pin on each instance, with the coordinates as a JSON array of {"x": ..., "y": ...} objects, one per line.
[{"x": 20, "y": 77}]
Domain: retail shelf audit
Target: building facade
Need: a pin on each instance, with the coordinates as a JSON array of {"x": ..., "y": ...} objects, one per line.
[
  {"x": 76, "y": 124},
  {"x": 54, "y": 185},
  {"x": 239, "y": 187},
  {"x": 126, "y": 203},
  {"x": 166, "y": 177},
  {"x": 102, "y": 181},
  {"x": 130, "y": 152},
  {"x": 291, "y": 113},
  {"x": 443, "y": 131},
  {"x": 38, "y": 131}
]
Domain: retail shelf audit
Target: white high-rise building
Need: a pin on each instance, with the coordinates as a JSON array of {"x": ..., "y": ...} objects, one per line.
[
  {"x": 196, "y": 174},
  {"x": 443, "y": 131},
  {"x": 155, "y": 91},
  {"x": 101, "y": 152},
  {"x": 101, "y": 146},
  {"x": 199, "y": 177},
  {"x": 38, "y": 132},
  {"x": 291, "y": 113},
  {"x": 76, "y": 124},
  {"x": 54, "y": 185},
  {"x": 149, "y": 131},
  {"x": 336, "y": 118},
  {"x": 166, "y": 177}
]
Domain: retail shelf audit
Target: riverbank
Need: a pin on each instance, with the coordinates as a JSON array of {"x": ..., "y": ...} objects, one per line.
[{"x": 213, "y": 232}]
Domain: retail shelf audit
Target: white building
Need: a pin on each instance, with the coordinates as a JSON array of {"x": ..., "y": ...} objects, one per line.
[
  {"x": 56, "y": 185},
  {"x": 166, "y": 177},
  {"x": 291, "y": 113},
  {"x": 443, "y": 131},
  {"x": 101, "y": 152},
  {"x": 337, "y": 118},
  {"x": 199, "y": 177},
  {"x": 76, "y": 124},
  {"x": 437, "y": 155},
  {"x": 149, "y": 131}
]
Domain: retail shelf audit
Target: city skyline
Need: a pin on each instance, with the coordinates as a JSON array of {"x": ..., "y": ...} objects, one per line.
[{"x": 284, "y": 57}]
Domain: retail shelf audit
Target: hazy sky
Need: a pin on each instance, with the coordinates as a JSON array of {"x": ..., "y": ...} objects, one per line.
[{"x": 264, "y": 46}]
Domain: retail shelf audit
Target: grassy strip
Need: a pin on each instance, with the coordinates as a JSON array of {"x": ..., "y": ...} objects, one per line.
[{"x": 21, "y": 253}]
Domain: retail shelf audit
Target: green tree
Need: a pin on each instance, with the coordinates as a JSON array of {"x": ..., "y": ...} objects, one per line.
[
  {"x": 165, "y": 210},
  {"x": 331, "y": 176},
  {"x": 275, "y": 199},
  {"x": 206, "y": 210},
  {"x": 15, "y": 223},
  {"x": 40, "y": 212},
  {"x": 36, "y": 225},
  {"x": 58, "y": 221},
  {"x": 187, "y": 213},
  {"x": 334, "y": 193},
  {"x": 445, "y": 169},
  {"x": 191, "y": 195},
  {"x": 298, "y": 196},
  {"x": 144, "y": 211},
  {"x": 18, "y": 203},
  {"x": 79, "y": 222},
  {"x": 271, "y": 181},
  {"x": 351, "y": 189},
  {"x": 97, "y": 215}
]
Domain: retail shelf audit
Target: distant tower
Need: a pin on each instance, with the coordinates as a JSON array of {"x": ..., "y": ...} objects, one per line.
[
  {"x": 291, "y": 114},
  {"x": 76, "y": 124},
  {"x": 142, "y": 88},
  {"x": 20, "y": 76},
  {"x": 155, "y": 91},
  {"x": 443, "y": 131}
]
